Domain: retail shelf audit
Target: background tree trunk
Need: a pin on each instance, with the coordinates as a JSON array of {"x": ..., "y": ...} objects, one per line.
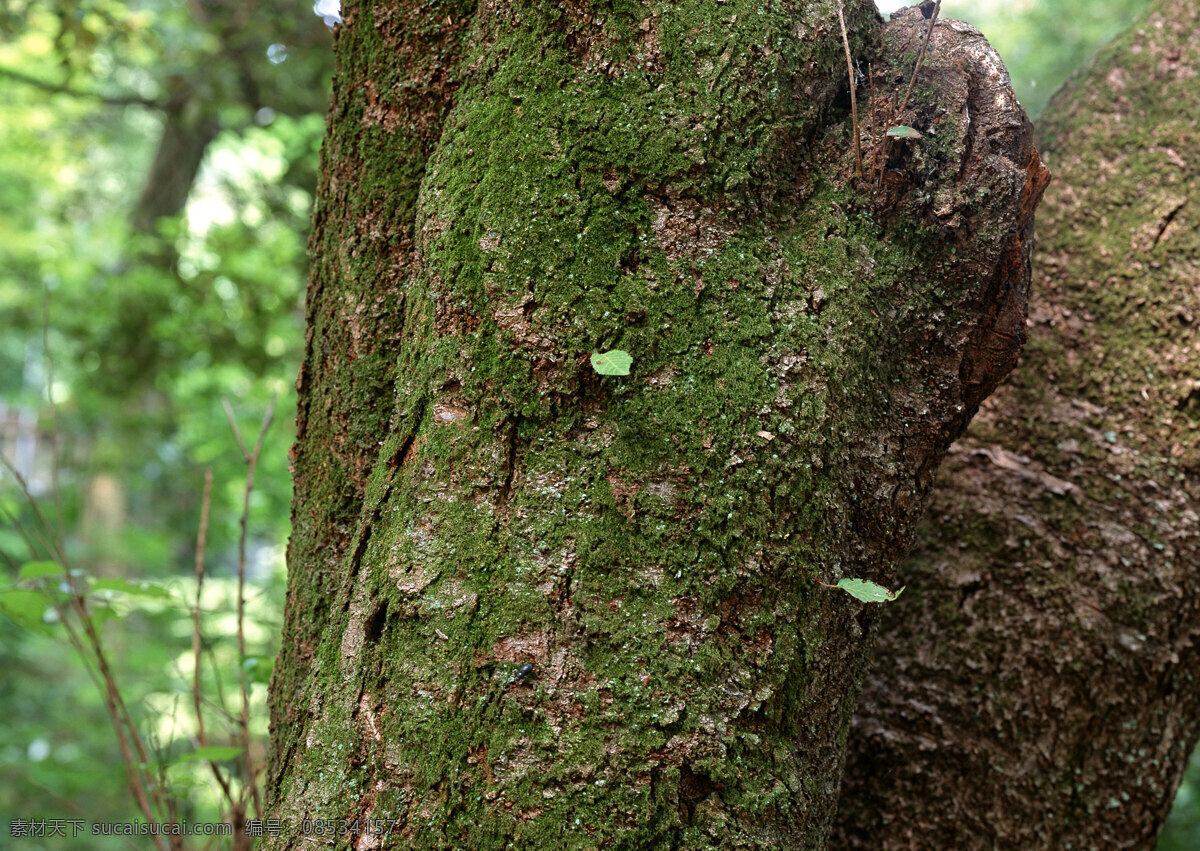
[
  {"x": 531, "y": 604},
  {"x": 1038, "y": 685}
]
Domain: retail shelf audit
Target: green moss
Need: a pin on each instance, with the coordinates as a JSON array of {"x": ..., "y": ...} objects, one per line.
[
  {"x": 662, "y": 530},
  {"x": 726, "y": 500}
]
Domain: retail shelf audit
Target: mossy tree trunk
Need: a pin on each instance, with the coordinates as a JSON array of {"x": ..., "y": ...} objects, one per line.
[
  {"x": 532, "y": 604},
  {"x": 1039, "y": 686}
]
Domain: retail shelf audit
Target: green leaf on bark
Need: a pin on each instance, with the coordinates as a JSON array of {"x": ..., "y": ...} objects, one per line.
[
  {"x": 615, "y": 362},
  {"x": 867, "y": 591},
  {"x": 905, "y": 132}
]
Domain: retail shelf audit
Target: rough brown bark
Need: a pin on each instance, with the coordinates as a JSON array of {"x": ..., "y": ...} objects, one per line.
[
  {"x": 389, "y": 99},
  {"x": 562, "y": 610},
  {"x": 1038, "y": 686}
]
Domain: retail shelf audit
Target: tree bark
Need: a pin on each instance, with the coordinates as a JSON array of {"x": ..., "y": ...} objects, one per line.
[
  {"x": 1038, "y": 686},
  {"x": 186, "y": 134},
  {"x": 532, "y": 604}
]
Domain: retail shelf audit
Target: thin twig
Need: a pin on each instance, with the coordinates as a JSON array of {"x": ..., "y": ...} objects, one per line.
[
  {"x": 871, "y": 116},
  {"x": 92, "y": 651},
  {"x": 114, "y": 701},
  {"x": 237, "y": 433},
  {"x": 46, "y": 544},
  {"x": 251, "y": 465},
  {"x": 174, "y": 840},
  {"x": 58, "y": 509},
  {"x": 887, "y": 140},
  {"x": 67, "y": 803},
  {"x": 64, "y": 610},
  {"x": 921, "y": 56},
  {"x": 16, "y": 524},
  {"x": 52, "y": 546},
  {"x": 89, "y": 629},
  {"x": 201, "y": 538},
  {"x": 853, "y": 100},
  {"x": 221, "y": 705},
  {"x": 10, "y": 561},
  {"x": 122, "y": 721}
]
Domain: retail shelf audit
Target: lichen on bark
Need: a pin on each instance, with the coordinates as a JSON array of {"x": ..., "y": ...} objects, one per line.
[{"x": 580, "y": 611}]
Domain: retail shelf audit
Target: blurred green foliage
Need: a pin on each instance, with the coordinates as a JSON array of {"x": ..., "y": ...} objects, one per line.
[
  {"x": 143, "y": 296},
  {"x": 157, "y": 164}
]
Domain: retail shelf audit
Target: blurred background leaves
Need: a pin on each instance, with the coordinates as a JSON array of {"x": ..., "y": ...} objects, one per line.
[{"x": 157, "y": 165}]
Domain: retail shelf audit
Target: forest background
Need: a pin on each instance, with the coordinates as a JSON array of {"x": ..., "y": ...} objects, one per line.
[{"x": 157, "y": 166}]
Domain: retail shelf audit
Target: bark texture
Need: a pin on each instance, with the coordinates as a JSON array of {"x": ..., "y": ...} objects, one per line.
[
  {"x": 1038, "y": 686},
  {"x": 533, "y": 605}
]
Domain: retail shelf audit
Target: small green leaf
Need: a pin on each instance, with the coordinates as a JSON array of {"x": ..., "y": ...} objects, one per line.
[
  {"x": 100, "y": 614},
  {"x": 867, "y": 591},
  {"x": 905, "y": 132},
  {"x": 212, "y": 753},
  {"x": 27, "y": 608},
  {"x": 38, "y": 569},
  {"x": 615, "y": 362}
]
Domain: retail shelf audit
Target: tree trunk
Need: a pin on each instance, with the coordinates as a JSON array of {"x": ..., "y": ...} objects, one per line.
[
  {"x": 186, "y": 134},
  {"x": 532, "y": 604},
  {"x": 1038, "y": 686}
]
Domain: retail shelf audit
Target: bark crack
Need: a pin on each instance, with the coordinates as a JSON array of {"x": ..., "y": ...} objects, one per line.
[{"x": 1166, "y": 222}]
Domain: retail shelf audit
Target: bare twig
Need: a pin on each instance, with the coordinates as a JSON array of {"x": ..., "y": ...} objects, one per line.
[
  {"x": 911, "y": 82},
  {"x": 51, "y": 544},
  {"x": 201, "y": 538},
  {"x": 237, "y": 433},
  {"x": 16, "y": 524},
  {"x": 871, "y": 117},
  {"x": 92, "y": 650},
  {"x": 251, "y": 465},
  {"x": 174, "y": 840},
  {"x": 127, "y": 736},
  {"x": 9, "y": 560},
  {"x": 853, "y": 101},
  {"x": 68, "y": 804},
  {"x": 921, "y": 56},
  {"x": 221, "y": 704},
  {"x": 146, "y": 786},
  {"x": 112, "y": 692},
  {"x": 58, "y": 510}
]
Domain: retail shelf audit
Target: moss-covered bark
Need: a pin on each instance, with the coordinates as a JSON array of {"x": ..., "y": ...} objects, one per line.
[
  {"x": 391, "y": 92},
  {"x": 530, "y": 604},
  {"x": 1038, "y": 685}
]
